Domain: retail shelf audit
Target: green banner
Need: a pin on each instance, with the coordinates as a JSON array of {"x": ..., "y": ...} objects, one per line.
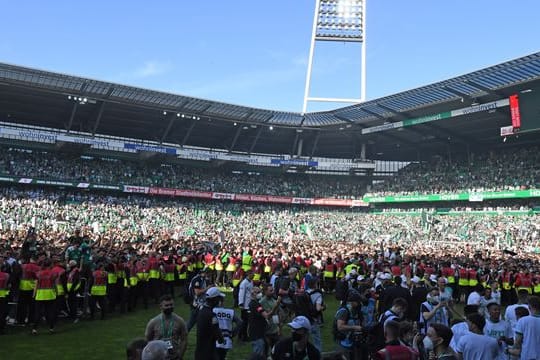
[
  {"x": 411, "y": 122},
  {"x": 456, "y": 212},
  {"x": 478, "y": 196}
]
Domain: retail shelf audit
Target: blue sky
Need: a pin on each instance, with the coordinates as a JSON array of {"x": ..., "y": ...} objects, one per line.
[{"x": 255, "y": 52}]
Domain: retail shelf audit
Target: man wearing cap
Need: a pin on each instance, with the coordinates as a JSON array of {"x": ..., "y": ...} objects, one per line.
[
  {"x": 197, "y": 289},
  {"x": 297, "y": 345},
  {"x": 168, "y": 327},
  {"x": 208, "y": 332}
]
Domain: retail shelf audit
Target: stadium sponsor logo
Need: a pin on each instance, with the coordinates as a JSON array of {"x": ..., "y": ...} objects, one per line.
[
  {"x": 164, "y": 191},
  {"x": 535, "y": 192},
  {"x": 25, "y": 181},
  {"x": 483, "y": 107},
  {"x": 382, "y": 127},
  {"x": 136, "y": 189},
  {"x": 280, "y": 199},
  {"x": 150, "y": 148},
  {"x": 38, "y": 136},
  {"x": 105, "y": 187},
  {"x": 193, "y": 193},
  {"x": 298, "y": 162},
  {"x": 223, "y": 196},
  {"x": 83, "y": 185},
  {"x": 449, "y": 196},
  {"x": 301, "y": 200},
  {"x": 57, "y": 183}
]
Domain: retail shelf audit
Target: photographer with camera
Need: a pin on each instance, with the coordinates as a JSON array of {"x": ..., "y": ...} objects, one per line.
[
  {"x": 347, "y": 331},
  {"x": 168, "y": 327}
]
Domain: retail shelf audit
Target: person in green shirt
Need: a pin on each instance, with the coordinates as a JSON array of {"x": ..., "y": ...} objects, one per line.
[{"x": 271, "y": 313}]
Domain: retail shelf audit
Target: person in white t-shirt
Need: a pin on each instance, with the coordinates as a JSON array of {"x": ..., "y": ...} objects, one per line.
[
  {"x": 475, "y": 345},
  {"x": 510, "y": 313},
  {"x": 226, "y": 319},
  {"x": 462, "y": 328},
  {"x": 475, "y": 296},
  {"x": 498, "y": 329},
  {"x": 527, "y": 342}
]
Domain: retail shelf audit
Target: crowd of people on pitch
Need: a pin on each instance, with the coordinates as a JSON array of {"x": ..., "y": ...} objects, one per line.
[
  {"x": 142, "y": 222},
  {"x": 386, "y": 293},
  {"x": 46, "y": 165},
  {"x": 508, "y": 169}
]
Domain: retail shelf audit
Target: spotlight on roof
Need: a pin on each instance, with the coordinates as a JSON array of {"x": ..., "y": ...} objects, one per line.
[
  {"x": 235, "y": 124},
  {"x": 164, "y": 113},
  {"x": 177, "y": 114},
  {"x": 271, "y": 128}
]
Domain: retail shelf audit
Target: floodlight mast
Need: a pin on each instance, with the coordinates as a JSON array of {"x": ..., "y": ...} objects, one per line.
[{"x": 343, "y": 21}]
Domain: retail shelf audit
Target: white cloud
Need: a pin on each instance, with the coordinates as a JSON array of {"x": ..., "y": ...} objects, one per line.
[{"x": 152, "y": 68}]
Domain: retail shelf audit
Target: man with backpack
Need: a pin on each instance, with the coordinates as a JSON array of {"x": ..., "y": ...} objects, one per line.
[
  {"x": 347, "y": 330},
  {"x": 395, "y": 313},
  {"x": 311, "y": 305}
]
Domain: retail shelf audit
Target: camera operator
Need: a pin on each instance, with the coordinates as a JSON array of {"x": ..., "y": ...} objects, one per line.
[{"x": 348, "y": 333}]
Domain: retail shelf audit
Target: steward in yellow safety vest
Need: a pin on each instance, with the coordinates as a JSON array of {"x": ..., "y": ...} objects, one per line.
[
  {"x": 45, "y": 296},
  {"x": 142, "y": 283},
  {"x": 247, "y": 260},
  {"x": 26, "y": 307},
  {"x": 4, "y": 293},
  {"x": 98, "y": 291},
  {"x": 170, "y": 275}
]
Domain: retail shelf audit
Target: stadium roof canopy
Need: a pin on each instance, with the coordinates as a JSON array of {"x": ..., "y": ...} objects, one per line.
[{"x": 36, "y": 97}]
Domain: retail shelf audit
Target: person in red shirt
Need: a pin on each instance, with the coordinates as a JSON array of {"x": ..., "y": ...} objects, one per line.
[
  {"x": 45, "y": 296},
  {"x": 4, "y": 292},
  {"x": 61, "y": 286},
  {"x": 26, "y": 307}
]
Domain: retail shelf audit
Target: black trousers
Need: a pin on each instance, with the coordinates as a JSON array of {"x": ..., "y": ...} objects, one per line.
[
  {"x": 102, "y": 301},
  {"x": 3, "y": 313},
  {"x": 142, "y": 292},
  {"x": 73, "y": 305},
  {"x": 25, "y": 307},
  {"x": 47, "y": 308},
  {"x": 243, "y": 331}
]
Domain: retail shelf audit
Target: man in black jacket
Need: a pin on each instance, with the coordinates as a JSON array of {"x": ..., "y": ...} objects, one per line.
[
  {"x": 393, "y": 292},
  {"x": 297, "y": 346}
]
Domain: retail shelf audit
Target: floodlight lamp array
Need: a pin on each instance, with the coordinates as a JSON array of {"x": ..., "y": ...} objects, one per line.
[{"x": 340, "y": 19}]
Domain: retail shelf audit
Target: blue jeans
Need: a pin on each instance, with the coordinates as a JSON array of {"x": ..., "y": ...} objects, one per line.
[
  {"x": 258, "y": 347},
  {"x": 316, "y": 336}
]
